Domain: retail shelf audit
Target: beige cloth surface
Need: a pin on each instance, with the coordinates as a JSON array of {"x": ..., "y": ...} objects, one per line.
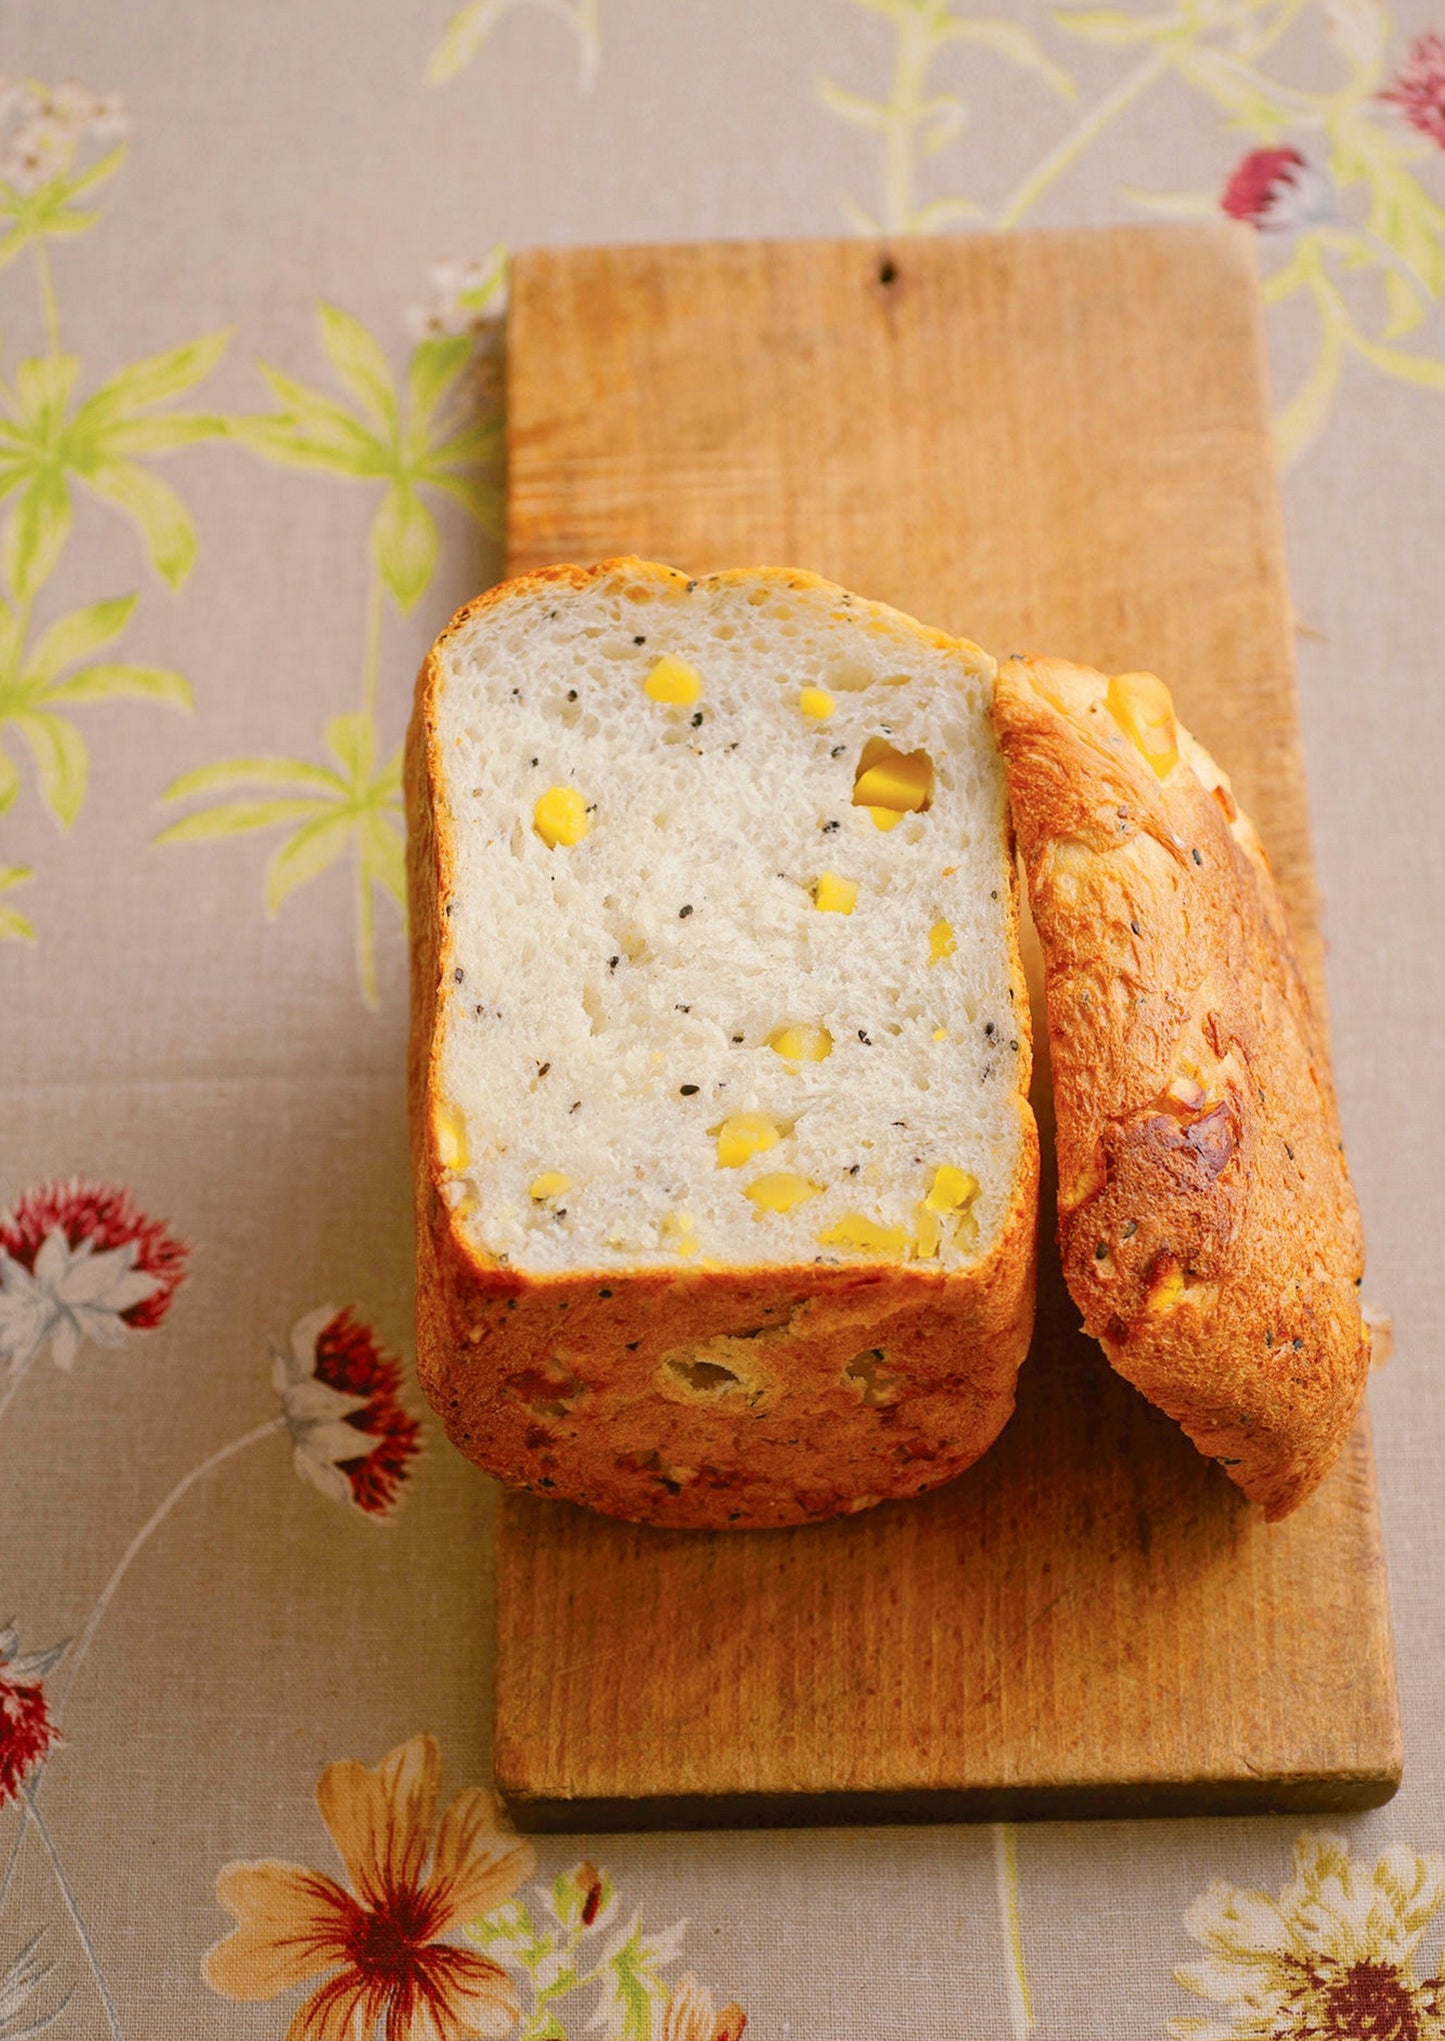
[{"x": 232, "y": 1630}]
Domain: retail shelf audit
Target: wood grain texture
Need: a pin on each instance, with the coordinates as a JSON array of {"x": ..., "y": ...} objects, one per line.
[{"x": 1048, "y": 442}]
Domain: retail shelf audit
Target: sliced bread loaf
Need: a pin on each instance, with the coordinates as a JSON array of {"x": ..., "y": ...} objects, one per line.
[
  {"x": 1209, "y": 1232},
  {"x": 726, "y": 1174}
]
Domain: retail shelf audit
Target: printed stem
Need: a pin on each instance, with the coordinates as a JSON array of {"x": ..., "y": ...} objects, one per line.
[
  {"x": 87, "y": 1636},
  {"x": 47, "y": 295},
  {"x": 76, "y": 1658},
  {"x": 1083, "y": 134},
  {"x": 7, "y": 1397},
  {"x": 909, "y": 69},
  {"x": 373, "y": 645},
  {"x": 112, "y": 2019},
  {"x": 365, "y": 937},
  {"x": 1006, "y": 1882}
]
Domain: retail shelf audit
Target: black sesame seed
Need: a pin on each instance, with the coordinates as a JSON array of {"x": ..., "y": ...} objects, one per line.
[
  {"x": 1297, "y": 1344},
  {"x": 988, "y": 1029},
  {"x": 1101, "y": 1250},
  {"x": 534, "y": 761},
  {"x": 516, "y": 694},
  {"x": 683, "y": 913},
  {"x": 1129, "y": 1228},
  {"x": 561, "y": 1211},
  {"x": 633, "y": 1345},
  {"x": 691, "y": 586},
  {"x": 688, "y": 1090},
  {"x": 680, "y": 1008},
  {"x": 737, "y": 1038},
  {"x": 986, "y": 1073},
  {"x": 458, "y": 975},
  {"x": 575, "y": 1106},
  {"x": 829, "y": 827},
  {"x": 604, "y": 1293},
  {"x": 900, "y": 1123},
  {"x": 1135, "y": 926},
  {"x": 1196, "y": 857},
  {"x": 863, "y": 1038},
  {"x": 1015, "y": 1047},
  {"x": 543, "y": 1068},
  {"x": 854, "y": 1167},
  {"x": 837, "y": 751},
  {"x": 639, "y": 641},
  {"x": 994, "y": 894},
  {"x": 571, "y": 694},
  {"x": 697, "y": 720},
  {"x": 613, "y": 962}
]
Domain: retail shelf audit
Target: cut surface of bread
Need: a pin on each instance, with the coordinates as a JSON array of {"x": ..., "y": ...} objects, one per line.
[
  {"x": 1209, "y": 1232},
  {"x": 726, "y": 1173}
]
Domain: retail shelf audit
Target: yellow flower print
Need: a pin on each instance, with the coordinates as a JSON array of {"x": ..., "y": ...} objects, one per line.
[
  {"x": 1331, "y": 1958},
  {"x": 378, "y": 1948}
]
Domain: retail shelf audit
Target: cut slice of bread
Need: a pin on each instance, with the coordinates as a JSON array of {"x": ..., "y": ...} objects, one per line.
[
  {"x": 1209, "y": 1232},
  {"x": 727, "y": 1179}
]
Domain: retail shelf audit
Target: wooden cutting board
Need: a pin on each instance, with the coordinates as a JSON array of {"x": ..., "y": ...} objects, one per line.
[{"x": 1048, "y": 442}]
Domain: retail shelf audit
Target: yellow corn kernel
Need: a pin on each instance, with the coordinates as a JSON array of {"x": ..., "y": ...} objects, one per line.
[
  {"x": 927, "y": 1232},
  {"x": 940, "y": 1034},
  {"x": 1140, "y": 704},
  {"x": 781, "y": 1191},
  {"x": 834, "y": 895},
  {"x": 886, "y": 818},
  {"x": 1167, "y": 1291},
  {"x": 888, "y": 778},
  {"x": 742, "y": 1136},
  {"x": 1186, "y": 1090},
  {"x": 951, "y": 1189},
  {"x": 678, "y": 1234},
  {"x": 940, "y": 941},
  {"x": 560, "y": 816},
  {"x": 801, "y": 1044},
  {"x": 817, "y": 703},
  {"x": 451, "y": 1138},
  {"x": 866, "y": 1235},
  {"x": 550, "y": 1184},
  {"x": 673, "y": 681}
]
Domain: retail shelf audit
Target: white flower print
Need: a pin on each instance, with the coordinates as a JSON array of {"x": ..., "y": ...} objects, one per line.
[{"x": 73, "y": 1294}]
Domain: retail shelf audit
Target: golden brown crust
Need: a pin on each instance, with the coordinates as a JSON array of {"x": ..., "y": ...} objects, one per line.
[
  {"x": 1210, "y": 1236},
  {"x": 845, "y": 1386}
]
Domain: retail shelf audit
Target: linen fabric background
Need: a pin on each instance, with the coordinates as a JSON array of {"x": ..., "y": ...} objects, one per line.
[{"x": 249, "y": 456}]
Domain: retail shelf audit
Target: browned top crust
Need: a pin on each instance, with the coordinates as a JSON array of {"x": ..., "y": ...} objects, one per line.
[{"x": 1209, "y": 1232}]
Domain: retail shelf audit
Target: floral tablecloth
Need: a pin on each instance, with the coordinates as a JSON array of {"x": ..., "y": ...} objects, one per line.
[{"x": 254, "y": 258}]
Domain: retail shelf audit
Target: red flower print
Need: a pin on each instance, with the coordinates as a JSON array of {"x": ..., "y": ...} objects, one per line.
[
  {"x": 336, "y": 1383},
  {"x": 27, "y": 1734},
  {"x": 1419, "y": 87},
  {"x": 377, "y": 1948},
  {"x": 78, "y": 1262},
  {"x": 1277, "y": 191}
]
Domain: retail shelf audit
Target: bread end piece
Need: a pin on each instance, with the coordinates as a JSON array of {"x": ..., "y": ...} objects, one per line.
[
  {"x": 1209, "y": 1232},
  {"x": 696, "y": 1397}
]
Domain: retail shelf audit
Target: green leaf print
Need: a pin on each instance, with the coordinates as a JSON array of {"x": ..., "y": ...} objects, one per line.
[
  {"x": 35, "y": 687},
  {"x": 407, "y": 441},
  {"x": 13, "y": 925},
  {"x": 349, "y": 805},
  {"x": 50, "y": 210},
  {"x": 45, "y": 446},
  {"x": 470, "y": 26}
]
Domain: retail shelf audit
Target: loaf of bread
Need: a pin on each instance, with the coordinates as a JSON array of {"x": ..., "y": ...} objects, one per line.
[
  {"x": 726, "y": 1175},
  {"x": 1210, "y": 1235}
]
